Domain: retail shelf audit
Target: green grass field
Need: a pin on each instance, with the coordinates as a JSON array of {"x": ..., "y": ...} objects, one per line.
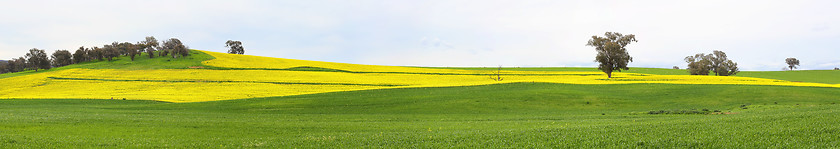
[
  {"x": 516, "y": 115},
  {"x": 658, "y": 71},
  {"x": 816, "y": 76},
  {"x": 520, "y": 115}
]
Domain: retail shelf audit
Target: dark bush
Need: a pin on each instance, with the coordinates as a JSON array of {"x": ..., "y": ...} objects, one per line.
[
  {"x": 744, "y": 106},
  {"x": 692, "y": 111}
]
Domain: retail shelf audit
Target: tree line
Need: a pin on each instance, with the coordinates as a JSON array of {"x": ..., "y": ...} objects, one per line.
[
  {"x": 716, "y": 62},
  {"x": 613, "y": 56},
  {"x": 38, "y": 59}
]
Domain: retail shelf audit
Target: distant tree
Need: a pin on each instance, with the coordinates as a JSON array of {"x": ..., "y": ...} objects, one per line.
[
  {"x": 80, "y": 55},
  {"x": 96, "y": 53},
  {"x": 612, "y": 54},
  {"x": 123, "y": 48},
  {"x": 169, "y": 47},
  {"x": 698, "y": 64},
  {"x": 727, "y": 68},
  {"x": 140, "y": 47},
  {"x": 61, "y": 58},
  {"x": 235, "y": 47},
  {"x": 721, "y": 64},
  {"x": 675, "y": 67},
  {"x": 111, "y": 51},
  {"x": 497, "y": 75},
  {"x": 151, "y": 44},
  {"x": 175, "y": 47},
  {"x": 37, "y": 59},
  {"x": 4, "y": 67},
  {"x": 836, "y": 68},
  {"x": 163, "y": 51},
  {"x": 130, "y": 49},
  {"x": 792, "y": 63},
  {"x": 16, "y": 65},
  {"x": 717, "y": 62},
  {"x": 185, "y": 51}
]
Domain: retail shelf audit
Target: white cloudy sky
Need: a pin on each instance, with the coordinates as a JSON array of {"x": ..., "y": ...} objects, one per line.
[{"x": 758, "y": 35}]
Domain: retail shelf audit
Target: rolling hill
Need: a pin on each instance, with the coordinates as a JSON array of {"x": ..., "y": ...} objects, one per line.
[
  {"x": 210, "y": 76},
  {"x": 218, "y": 100}
]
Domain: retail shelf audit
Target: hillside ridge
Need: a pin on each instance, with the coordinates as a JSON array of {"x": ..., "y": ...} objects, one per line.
[{"x": 212, "y": 76}]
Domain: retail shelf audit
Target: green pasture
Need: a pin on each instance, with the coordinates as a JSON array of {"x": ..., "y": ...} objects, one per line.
[
  {"x": 816, "y": 76},
  {"x": 519, "y": 115},
  {"x": 516, "y": 115}
]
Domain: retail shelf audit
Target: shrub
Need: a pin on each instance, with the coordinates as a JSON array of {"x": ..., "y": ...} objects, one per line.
[{"x": 692, "y": 111}]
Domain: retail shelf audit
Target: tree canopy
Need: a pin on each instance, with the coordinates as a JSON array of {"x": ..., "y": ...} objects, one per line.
[
  {"x": 37, "y": 59},
  {"x": 612, "y": 54},
  {"x": 235, "y": 47},
  {"x": 175, "y": 47},
  {"x": 151, "y": 45},
  {"x": 792, "y": 63},
  {"x": 698, "y": 64},
  {"x": 111, "y": 51},
  {"x": 717, "y": 62},
  {"x": 61, "y": 58},
  {"x": 4, "y": 66},
  {"x": 81, "y": 55}
]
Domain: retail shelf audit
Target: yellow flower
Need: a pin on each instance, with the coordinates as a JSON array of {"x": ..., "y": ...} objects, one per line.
[{"x": 195, "y": 85}]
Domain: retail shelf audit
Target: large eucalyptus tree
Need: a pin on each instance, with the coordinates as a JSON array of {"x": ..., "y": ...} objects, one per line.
[{"x": 612, "y": 54}]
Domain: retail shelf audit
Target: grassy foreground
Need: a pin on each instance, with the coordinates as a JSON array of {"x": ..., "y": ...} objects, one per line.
[{"x": 519, "y": 115}]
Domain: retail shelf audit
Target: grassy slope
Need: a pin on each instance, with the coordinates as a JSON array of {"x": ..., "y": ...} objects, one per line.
[
  {"x": 816, "y": 76},
  {"x": 659, "y": 71},
  {"x": 142, "y": 62},
  {"x": 819, "y": 76},
  {"x": 508, "y": 115},
  {"x": 500, "y": 116}
]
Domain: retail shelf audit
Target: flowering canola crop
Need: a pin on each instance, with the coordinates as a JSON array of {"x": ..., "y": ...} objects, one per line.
[{"x": 265, "y": 77}]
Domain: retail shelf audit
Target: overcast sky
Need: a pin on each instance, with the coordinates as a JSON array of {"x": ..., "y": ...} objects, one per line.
[{"x": 758, "y": 35}]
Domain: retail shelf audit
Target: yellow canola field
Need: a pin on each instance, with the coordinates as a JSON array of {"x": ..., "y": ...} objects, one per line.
[
  {"x": 247, "y": 61},
  {"x": 196, "y": 85}
]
